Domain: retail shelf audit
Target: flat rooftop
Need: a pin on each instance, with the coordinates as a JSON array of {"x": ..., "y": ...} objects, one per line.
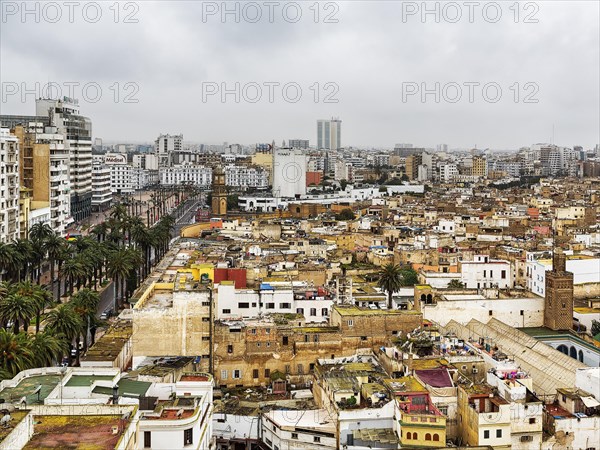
[
  {"x": 76, "y": 432},
  {"x": 27, "y": 387},
  {"x": 86, "y": 380},
  {"x": 351, "y": 310}
]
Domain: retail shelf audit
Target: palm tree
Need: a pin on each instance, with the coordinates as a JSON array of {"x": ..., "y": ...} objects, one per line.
[
  {"x": 53, "y": 245},
  {"x": 390, "y": 280},
  {"x": 7, "y": 260},
  {"x": 71, "y": 271},
  {"x": 39, "y": 297},
  {"x": 15, "y": 352},
  {"x": 38, "y": 234},
  {"x": 18, "y": 309},
  {"x": 24, "y": 257},
  {"x": 47, "y": 348},
  {"x": 65, "y": 322},
  {"x": 85, "y": 304},
  {"x": 119, "y": 266},
  {"x": 455, "y": 284}
]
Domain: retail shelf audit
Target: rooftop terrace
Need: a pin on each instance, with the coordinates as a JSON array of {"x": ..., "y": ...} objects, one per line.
[
  {"x": 27, "y": 387},
  {"x": 76, "y": 432}
]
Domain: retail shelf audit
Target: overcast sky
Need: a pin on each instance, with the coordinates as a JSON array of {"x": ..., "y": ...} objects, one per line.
[{"x": 373, "y": 57}]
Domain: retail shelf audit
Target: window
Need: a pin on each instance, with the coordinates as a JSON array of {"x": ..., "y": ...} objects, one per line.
[
  {"x": 313, "y": 311},
  {"x": 254, "y": 373},
  {"x": 294, "y": 435},
  {"x": 522, "y": 312},
  {"x": 147, "y": 439},
  {"x": 436, "y": 437},
  {"x": 258, "y": 344},
  {"x": 486, "y": 434},
  {"x": 316, "y": 338},
  {"x": 253, "y": 331},
  {"x": 244, "y": 305},
  {"x": 316, "y": 439},
  {"x": 351, "y": 323},
  {"x": 226, "y": 311},
  {"x": 363, "y": 338},
  {"x": 270, "y": 305},
  {"x": 532, "y": 420},
  {"x": 503, "y": 274},
  {"x": 300, "y": 310},
  {"x": 498, "y": 433},
  {"x": 223, "y": 374},
  {"x": 427, "y": 436},
  {"x": 230, "y": 348},
  {"x": 267, "y": 331},
  {"x": 287, "y": 369},
  {"x": 237, "y": 374},
  {"x": 324, "y": 312},
  {"x": 490, "y": 312},
  {"x": 526, "y": 438},
  {"x": 267, "y": 373},
  {"x": 206, "y": 338},
  {"x": 188, "y": 436},
  {"x": 285, "y": 306},
  {"x": 285, "y": 340},
  {"x": 409, "y": 435}
]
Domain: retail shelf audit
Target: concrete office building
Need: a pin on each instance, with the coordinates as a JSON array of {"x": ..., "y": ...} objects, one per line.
[{"x": 329, "y": 134}]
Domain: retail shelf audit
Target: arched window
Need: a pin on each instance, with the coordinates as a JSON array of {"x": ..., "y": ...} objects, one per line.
[
  {"x": 436, "y": 437},
  {"x": 423, "y": 298},
  {"x": 408, "y": 435},
  {"x": 580, "y": 356},
  {"x": 429, "y": 298},
  {"x": 573, "y": 352},
  {"x": 563, "y": 348},
  {"x": 415, "y": 435},
  {"x": 297, "y": 210},
  {"x": 428, "y": 436}
]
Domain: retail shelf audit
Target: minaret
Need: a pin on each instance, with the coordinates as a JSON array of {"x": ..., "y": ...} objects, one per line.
[
  {"x": 558, "y": 308},
  {"x": 219, "y": 193}
]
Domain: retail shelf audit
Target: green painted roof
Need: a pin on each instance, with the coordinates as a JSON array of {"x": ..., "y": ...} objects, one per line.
[
  {"x": 86, "y": 380},
  {"x": 127, "y": 388}
]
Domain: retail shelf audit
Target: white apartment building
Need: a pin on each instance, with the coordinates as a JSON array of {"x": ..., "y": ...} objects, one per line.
[
  {"x": 250, "y": 303},
  {"x": 242, "y": 176},
  {"x": 9, "y": 187},
  {"x": 301, "y": 430},
  {"x": 101, "y": 187},
  {"x": 148, "y": 161},
  {"x": 39, "y": 215},
  {"x": 448, "y": 173},
  {"x": 198, "y": 175},
  {"x": 343, "y": 170},
  {"x": 77, "y": 132},
  {"x": 57, "y": 193},
  {"x": 166, "y": 144},
  {"x": 121, "y": 173},
  {"x": 289, "y": 173},
  {"x": 484, "y": 272},
  {"x": 586, "y": 270}
]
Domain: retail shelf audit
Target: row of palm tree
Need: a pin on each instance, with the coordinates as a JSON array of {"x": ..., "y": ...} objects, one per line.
[
  {"x": 121, "y": 248},
  {"x": 74, "y": 321}
]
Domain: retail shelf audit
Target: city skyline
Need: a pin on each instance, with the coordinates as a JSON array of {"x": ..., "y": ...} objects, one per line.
[{"x": 398, "y": 49}]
